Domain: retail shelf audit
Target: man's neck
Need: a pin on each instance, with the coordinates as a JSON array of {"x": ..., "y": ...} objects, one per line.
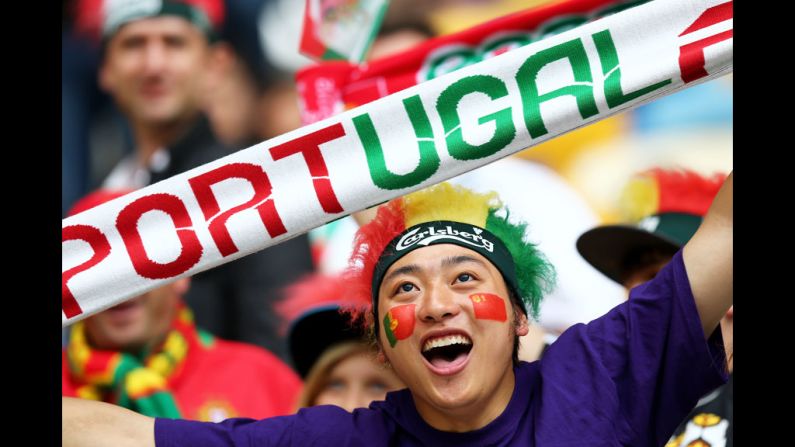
[
  {"x": 470, "y": 417},
  {"x": 138, "y": 349},
  {"x": 532, "y": 345},
  {"x": 151, "y": 137}
]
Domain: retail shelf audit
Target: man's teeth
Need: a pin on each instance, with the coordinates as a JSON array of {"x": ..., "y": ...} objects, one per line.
[{"x": 446, "y": 341}]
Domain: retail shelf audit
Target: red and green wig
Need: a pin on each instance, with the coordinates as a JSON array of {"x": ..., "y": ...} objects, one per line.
[{"x": 446, "y": 213}]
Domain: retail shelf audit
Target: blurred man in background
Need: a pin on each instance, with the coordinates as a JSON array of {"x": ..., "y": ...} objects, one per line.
[
  {"x": 154, "y": 64},
  {"x": 147, "y": 355}
]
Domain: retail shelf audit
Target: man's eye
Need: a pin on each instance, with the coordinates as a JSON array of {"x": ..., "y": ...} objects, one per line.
[
  {"x": 406, "y": 287},
  {"x": 335, "y": 385},
  {"x": 464, "y": 277},
  {"x": 377, "y": 387},
  {"x": 132, "y": 43},
  {"x": 176, "y": 42}
]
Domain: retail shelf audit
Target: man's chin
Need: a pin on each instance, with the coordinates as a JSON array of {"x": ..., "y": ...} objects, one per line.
[
  {"x": 161, "y": 114},
  {"x": 124, "y": 327},
  {"x": 450, "y": 390},
  {"x": 128, "y": 338},
  {"x": 451, "y": 396},
  {"x": 124, "y": 315}
]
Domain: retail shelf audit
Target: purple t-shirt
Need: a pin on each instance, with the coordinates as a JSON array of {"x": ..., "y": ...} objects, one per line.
[{"x": 627, "y": 378}]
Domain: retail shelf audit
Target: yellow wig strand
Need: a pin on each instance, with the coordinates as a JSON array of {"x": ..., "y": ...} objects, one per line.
[{"x": 448, "y": 202}]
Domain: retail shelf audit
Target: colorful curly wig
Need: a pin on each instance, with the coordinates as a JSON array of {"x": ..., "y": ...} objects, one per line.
[{"x": 447, "y": 202}]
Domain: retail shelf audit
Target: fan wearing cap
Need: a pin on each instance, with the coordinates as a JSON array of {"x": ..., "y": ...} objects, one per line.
[
  {"x": 329, "y": 350},
  {"x": 147, "y": 355},
  {"x": 452, "y": 284},
  {"x": 667, "y": 206},
  {"x": 155, "y": 58}
]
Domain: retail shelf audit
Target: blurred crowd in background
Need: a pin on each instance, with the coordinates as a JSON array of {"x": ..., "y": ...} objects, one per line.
[
  {"x": 246, "y": 93},
  {"x": 690, "y": 129}
]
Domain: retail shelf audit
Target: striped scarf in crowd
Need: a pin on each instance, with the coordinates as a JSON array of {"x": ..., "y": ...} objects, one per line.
[{"x": 139, "y": 383}]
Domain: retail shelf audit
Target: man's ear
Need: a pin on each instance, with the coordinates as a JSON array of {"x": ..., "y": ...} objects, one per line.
[
  {"x": 105, "y": 78},
  {"x": 181, "y": 286},
  {"x": 380, "y": 356},
  {"x": 221, "y": 58},
  {"x": 522, "y": 325}
]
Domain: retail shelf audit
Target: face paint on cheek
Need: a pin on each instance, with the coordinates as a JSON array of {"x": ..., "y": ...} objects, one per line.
[
  {"x": 488, "y": 306},
  {"x": 399, "y": 323}
]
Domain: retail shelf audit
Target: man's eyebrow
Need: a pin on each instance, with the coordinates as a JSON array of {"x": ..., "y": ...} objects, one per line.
[
  {"x": 404, "y": 270},
  {"x": 455, "y": 260},
  {"x": 446, "y": 262}
]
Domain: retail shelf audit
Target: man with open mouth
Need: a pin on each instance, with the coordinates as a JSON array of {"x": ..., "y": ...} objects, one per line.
[{"x": 452, "y": 281}]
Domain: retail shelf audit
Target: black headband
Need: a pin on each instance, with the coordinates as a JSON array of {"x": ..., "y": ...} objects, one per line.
[{"x": 425, "y": 234}]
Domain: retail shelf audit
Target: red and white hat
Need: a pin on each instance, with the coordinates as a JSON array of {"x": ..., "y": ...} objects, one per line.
[{"x": 102, "y": 18}]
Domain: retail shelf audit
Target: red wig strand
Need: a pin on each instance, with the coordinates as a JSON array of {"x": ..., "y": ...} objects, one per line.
[{"x": 370, "y": 241}]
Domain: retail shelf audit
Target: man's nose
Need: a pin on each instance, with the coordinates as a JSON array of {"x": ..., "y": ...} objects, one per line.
[
  {"x": 438, "y": 304},
  {"x": 356, "y": 398},
  {"x": 155, "y": 58}
]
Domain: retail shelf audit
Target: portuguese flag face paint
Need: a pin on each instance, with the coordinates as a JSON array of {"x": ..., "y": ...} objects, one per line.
[
  {"x": 488, "y": 306},
  {"x": 399, "y": 323}
]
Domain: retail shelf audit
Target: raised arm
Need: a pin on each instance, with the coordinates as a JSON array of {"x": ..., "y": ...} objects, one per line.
[
  {"x": 87, "y": 423},
  {"x": 708, "y": 259}
]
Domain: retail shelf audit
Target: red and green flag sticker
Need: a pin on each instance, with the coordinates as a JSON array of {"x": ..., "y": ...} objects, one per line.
[
  {"x": 399, "y": 323},
  {"x": 488, "y": 306}
]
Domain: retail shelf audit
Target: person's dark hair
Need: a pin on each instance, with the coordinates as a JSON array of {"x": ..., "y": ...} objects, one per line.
[
  {"x": 642, "y": 257},
  {"x": 517, "y": 315},
  {"x": 241, "y": 32},
  {"x": 414, "y": 22}
]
